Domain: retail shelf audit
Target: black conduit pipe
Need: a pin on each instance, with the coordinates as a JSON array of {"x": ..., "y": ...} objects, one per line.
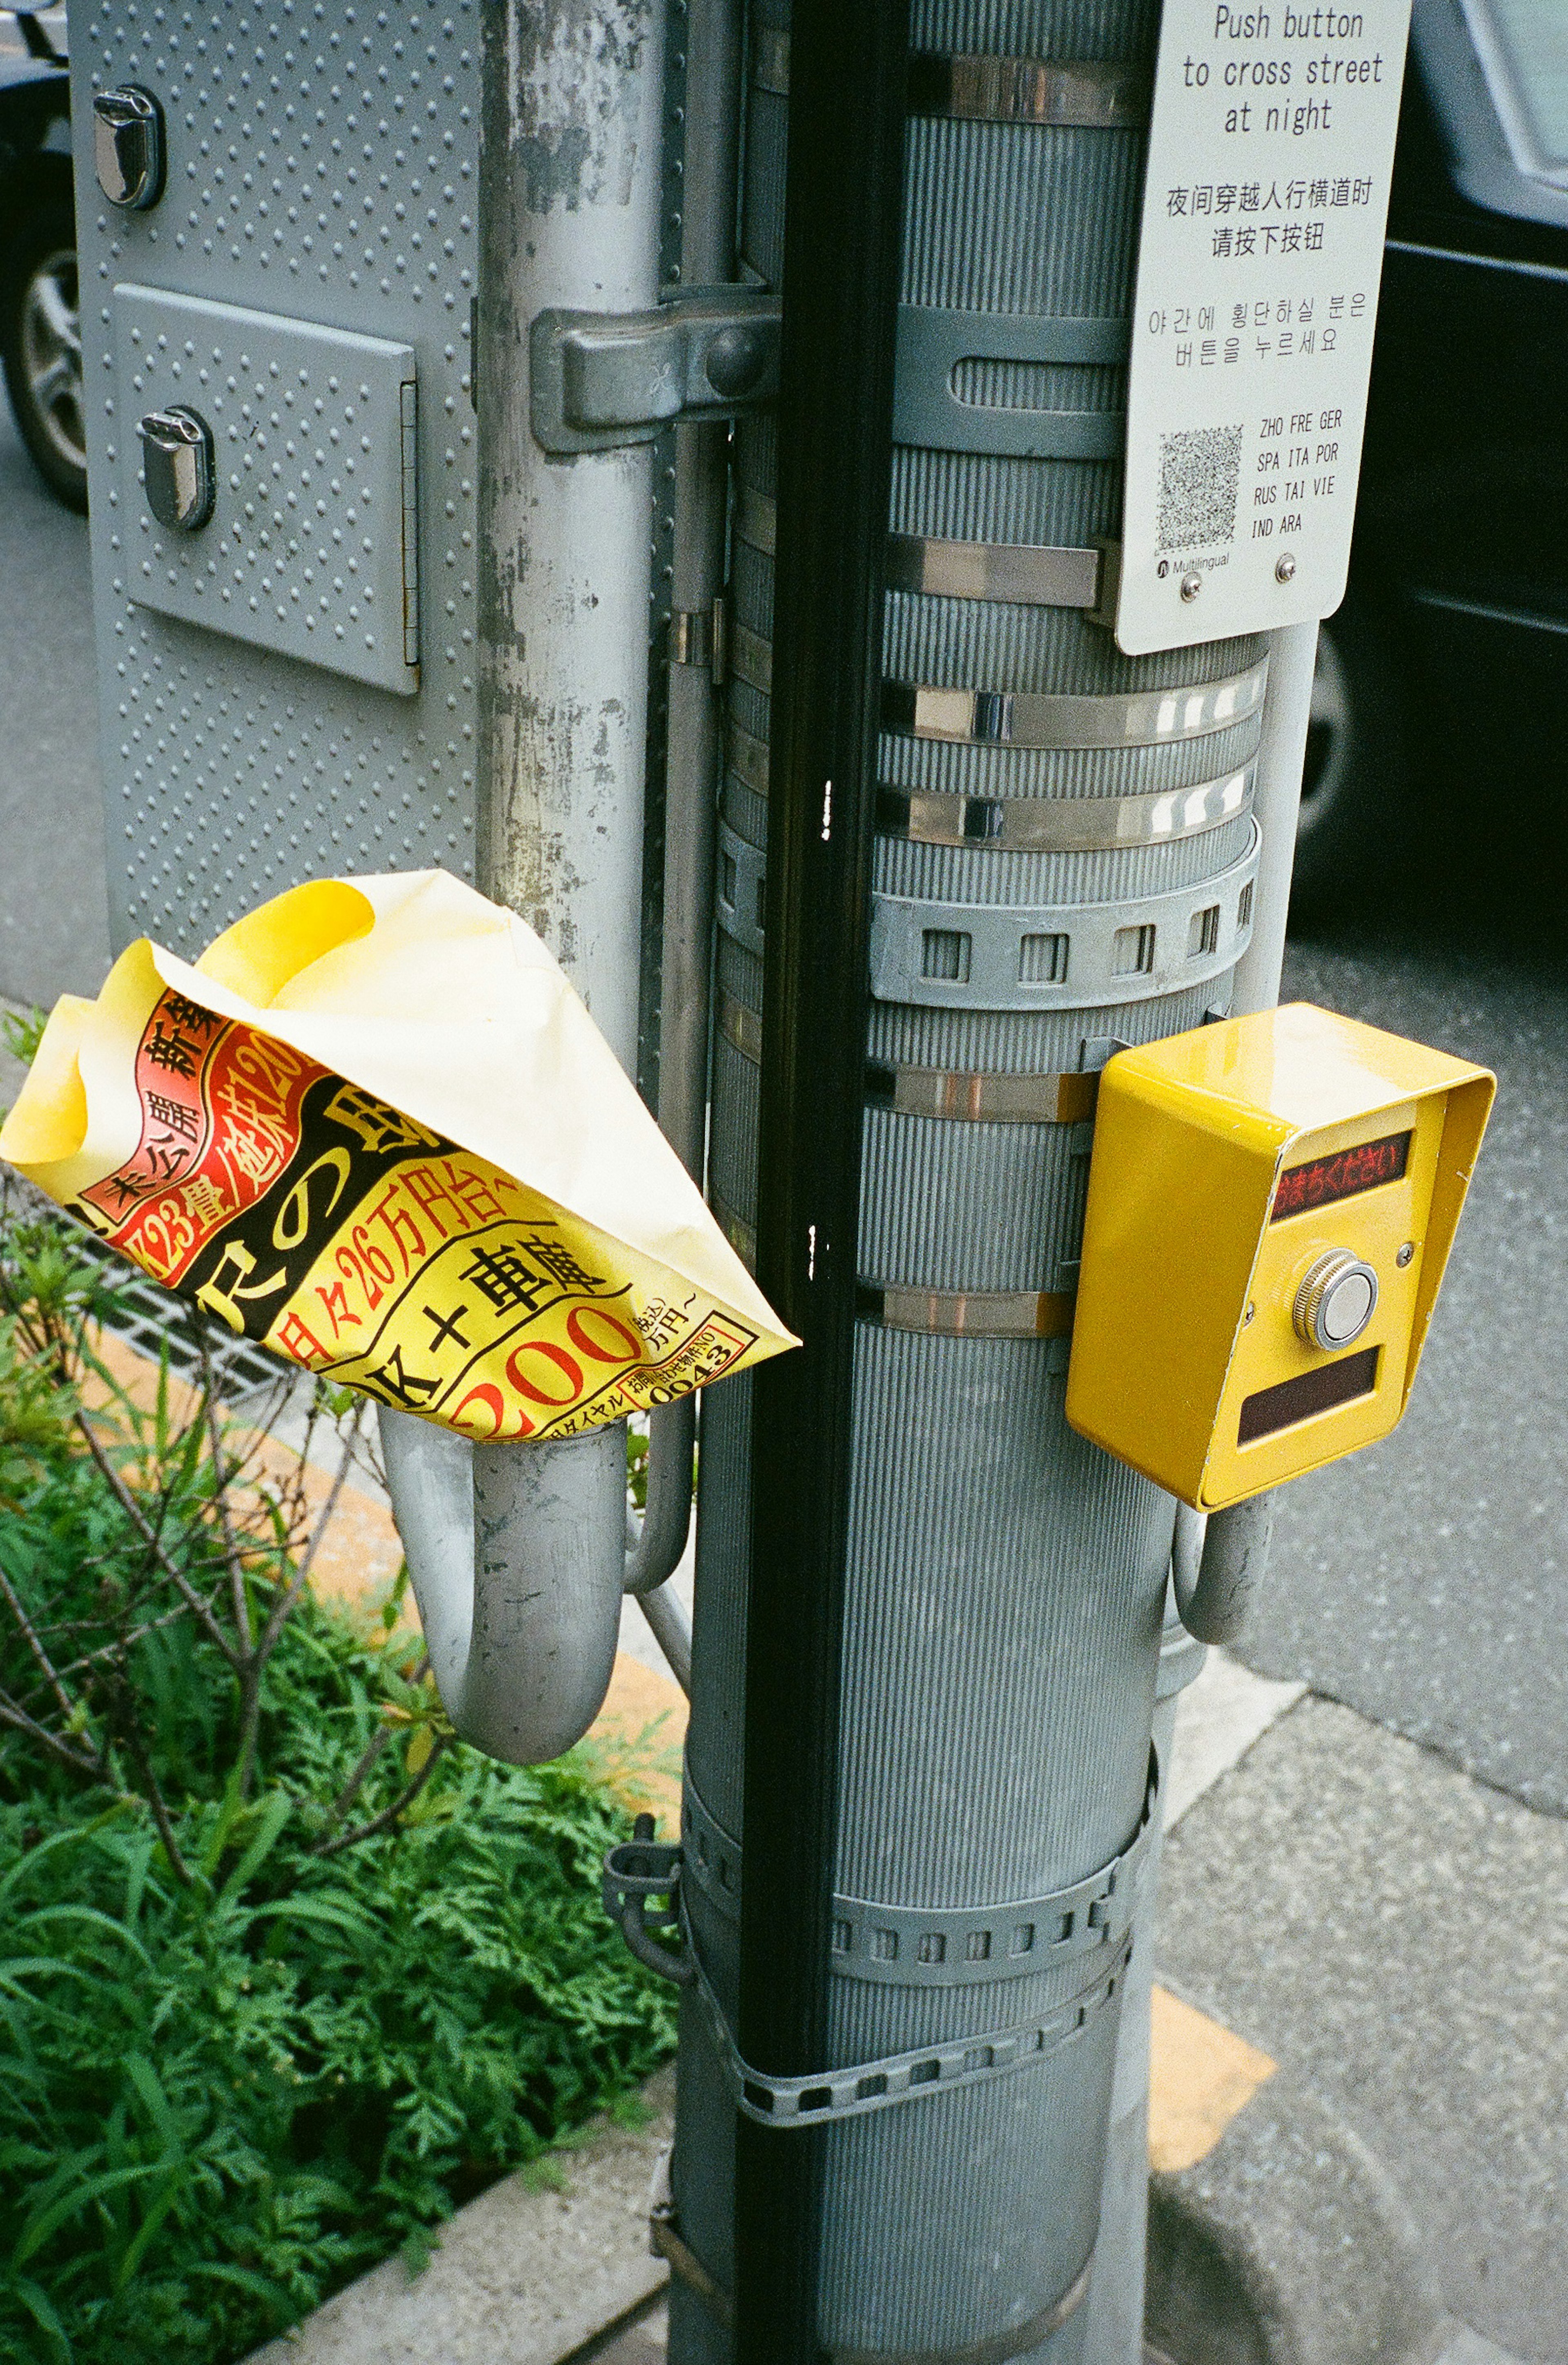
[{"x": 848, "y": 69}]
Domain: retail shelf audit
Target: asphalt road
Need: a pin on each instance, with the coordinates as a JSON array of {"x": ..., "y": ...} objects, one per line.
[
  {"x": 1424, "y": 1582},
  {"x": 54, "y": 929}
]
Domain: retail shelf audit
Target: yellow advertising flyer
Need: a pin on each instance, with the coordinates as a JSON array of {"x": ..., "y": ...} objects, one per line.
[{"x": 375, "y": 1128}]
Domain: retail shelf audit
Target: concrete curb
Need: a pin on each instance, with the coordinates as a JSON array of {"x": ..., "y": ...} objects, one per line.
[
  {"x": 523, "y": 2276},
  {"x": 1288, "y": 2245}
]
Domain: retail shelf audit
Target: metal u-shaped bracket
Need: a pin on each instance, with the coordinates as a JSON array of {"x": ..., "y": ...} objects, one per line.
[{"x": 517, "y": 1559}]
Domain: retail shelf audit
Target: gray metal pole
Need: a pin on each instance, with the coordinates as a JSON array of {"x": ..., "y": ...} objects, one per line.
[{"x": 1005, "y": 1584}]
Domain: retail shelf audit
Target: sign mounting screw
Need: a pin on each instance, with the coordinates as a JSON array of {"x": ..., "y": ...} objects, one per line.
[
  {"x": 1191, "y": 586},
  {"x": 1284, "y": 568}
]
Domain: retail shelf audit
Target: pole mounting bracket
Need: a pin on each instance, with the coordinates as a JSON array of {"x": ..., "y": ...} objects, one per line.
[{"x": 601, "y": 380}]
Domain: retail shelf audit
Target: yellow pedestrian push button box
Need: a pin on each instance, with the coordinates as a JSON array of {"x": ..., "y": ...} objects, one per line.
[{"x": 1272, "y": 1203}]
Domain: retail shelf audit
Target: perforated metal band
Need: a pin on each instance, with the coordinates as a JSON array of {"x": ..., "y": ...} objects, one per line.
[
  {"x": 742, "y": 872},
  {"x": 1026, "y": 574},
  {"x": 927, "y": 410},
  {"x": 1065, "y": 1099},
  {"x": 741, "y": 1236},
  {"x": 968, "y": 1314},
  {"x": 903, "y": 2076},
  {"x": 1075, "y": 956},
  {"x": 911, "y": 1946},
  {"x": 1005, "y": 718},
  {"x": 1064, "y": 824},
  {"x": 1086, "y": 93}
]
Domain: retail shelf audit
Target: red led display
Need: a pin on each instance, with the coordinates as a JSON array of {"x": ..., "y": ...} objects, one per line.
[{"x": 1343, "y": 1174}]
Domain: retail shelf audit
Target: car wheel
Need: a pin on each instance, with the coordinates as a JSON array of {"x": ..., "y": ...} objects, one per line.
[
  {"x": 40, "y": 341},
  {"x": 1352, "y": 784}
]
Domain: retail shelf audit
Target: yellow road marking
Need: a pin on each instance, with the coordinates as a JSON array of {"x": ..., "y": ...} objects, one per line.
[{"x": 1201, "y": 2075}]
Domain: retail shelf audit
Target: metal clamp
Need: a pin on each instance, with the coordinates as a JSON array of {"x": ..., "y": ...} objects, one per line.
[
  {"x": 637, "y": 1875},
  {"x": 1064, "y": 824},
  {"x": 952, "y": 956},
  {"x": 1126, "y": 718},
  {"x": 908, "y": 1945},
  {"x": 1020, "y": 574},
  {"x": 742, "y": 871},
  {"x": 599, "y": 380},
  {"x": 1076, "y": 94},
  {"x": 968, "y": 1313},
  {"x": 930, "y": 343},
  {"x": 964, "y": 1096},
  {"x": 827, "y": 2095}
]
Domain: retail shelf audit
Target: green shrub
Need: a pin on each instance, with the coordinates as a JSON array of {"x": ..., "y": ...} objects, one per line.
[{"x": 285, "y": 1972}]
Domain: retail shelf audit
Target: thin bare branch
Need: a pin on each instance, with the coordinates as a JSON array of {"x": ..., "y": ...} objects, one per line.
[
  {"x": 377, "y": 1744},
  {"x": 287, "y": 1600},
  {"x": 30, "y": 1637},
  {"x": 388, "y": 1815},
  {"x": 132, "y": 1740},
  {"x": 78, "y": 1758},
  {"x": 220, "y": 1480},
  {"x": 122, "y": 1643},
  {"x": 176, "y": 1575}
]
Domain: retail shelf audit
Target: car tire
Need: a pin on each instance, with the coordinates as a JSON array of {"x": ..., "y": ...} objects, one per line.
[
  {"x": 40, "y": 342},
  {"x": 1353, "y": 784}
]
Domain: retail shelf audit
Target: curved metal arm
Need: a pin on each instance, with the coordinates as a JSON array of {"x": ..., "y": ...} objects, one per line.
[
  {"x": 516, "y": 1558},
  {"x": 1218, "y": 1564},
  {"x": 666, "y": 1522}
]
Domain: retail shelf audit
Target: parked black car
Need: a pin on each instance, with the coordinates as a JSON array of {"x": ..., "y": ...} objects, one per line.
[
  {"x": 40, "y": 343},
  {"x": 1442, "y": 700}
]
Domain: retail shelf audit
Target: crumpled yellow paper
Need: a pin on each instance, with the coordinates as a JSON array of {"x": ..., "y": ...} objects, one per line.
[{"x": 375, "y": 1128}]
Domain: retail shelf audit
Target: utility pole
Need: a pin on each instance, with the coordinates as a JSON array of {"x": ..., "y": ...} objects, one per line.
[{"x": 1001, "y": 711}]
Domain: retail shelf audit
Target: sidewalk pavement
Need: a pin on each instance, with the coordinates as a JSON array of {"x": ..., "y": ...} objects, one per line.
[{"x": 1351, "y": 1936}]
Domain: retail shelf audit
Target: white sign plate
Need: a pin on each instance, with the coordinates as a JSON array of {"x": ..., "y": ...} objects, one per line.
[{"x": 1263, "y": 217}]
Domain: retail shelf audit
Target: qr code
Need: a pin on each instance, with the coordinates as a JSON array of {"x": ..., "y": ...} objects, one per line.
[{"x": 1200, "y": 483}]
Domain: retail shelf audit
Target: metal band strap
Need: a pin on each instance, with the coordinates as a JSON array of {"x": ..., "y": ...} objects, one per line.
[
  {"x": 827, "y": 2095},
  {"x": 1018, "y": 2341},
  {"x": 1138, "y": 718},
  {"x": 770, "y": 59},
  {"x": 1036, "y": 574},
  {"x": 751, "y": 659},
  {"x": 756, "y": 520},
  {"x": 742, "y": 870},
  {"x": 930, "y": 345},
  {"x": 741, "y": 1027},
  {"x": 988, "y": 1099},
  {"x": 741, "y": 1236},
  {"x": 692, "y": 639},
  {"x": 1079, "y": 93},
  {"x": 747, "y": 758},
  {"x": 1023, "y": 574},
  {"x": 970, "y": 1945},
  {"x": 665, "y": 2240},
  {"x": 968, "y": 1313},
  {"x": 953, "y": 956},
  {"x": 1066, "y": 1098},
  {"x": 1064, "y": 824}
]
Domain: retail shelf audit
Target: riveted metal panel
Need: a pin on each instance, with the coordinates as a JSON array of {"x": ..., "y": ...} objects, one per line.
[
  {"x": 305, "y": 552},
  {"x": 321, "y": 170}
]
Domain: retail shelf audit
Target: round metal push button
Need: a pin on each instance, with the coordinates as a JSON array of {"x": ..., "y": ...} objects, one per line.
[{"x": 1336, "y": 1300}]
